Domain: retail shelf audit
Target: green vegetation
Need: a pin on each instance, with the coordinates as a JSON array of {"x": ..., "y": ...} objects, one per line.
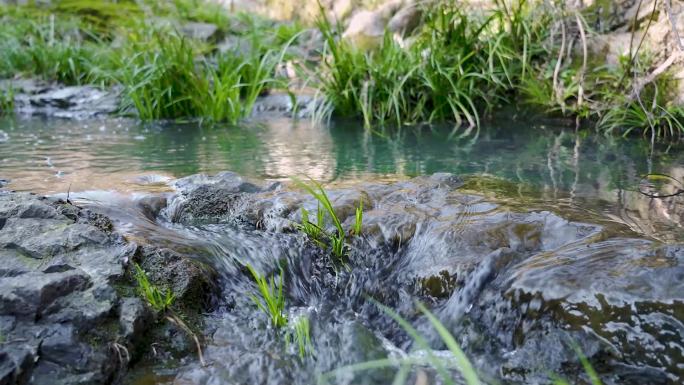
[
  {"x": 337, "y": 239},
  {"x": 463, "y": 365},
  {"x": 165, "y": 74},
  {"x": 458, "y": 66},
  {"x": 462, "y": 63},
  {"x": 271, "y": 300},
  {"x": 159, "y": 300},
  {"x": 301, "y": 335},
  {"x": 6, "y": 101},
  {"x": 314, "y": 231},
  {"x": 358, "y": 219}
]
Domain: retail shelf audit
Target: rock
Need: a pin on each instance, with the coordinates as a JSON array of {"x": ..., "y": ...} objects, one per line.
[
  {"x": 33, "y": 97},
  {"x": 517, "y": 289},
  {"x": 200, "y": 31},
  {"x": 406, "y": 20},
  {"x": 304, "y": 105},
  {"x": 135, "y": 319},
  {"x": 191, "y": 282},
  {"x": 56, "y": 292}
]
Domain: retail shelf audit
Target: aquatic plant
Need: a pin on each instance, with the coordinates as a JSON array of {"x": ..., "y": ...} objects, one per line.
[
  {"x": 358, "y": 219},
  {"x": 337, "y": 238},
  {"x": 159, "y": 300},
  {"x": 301, "y": 335},
  {"x": 271, "y": 300}
]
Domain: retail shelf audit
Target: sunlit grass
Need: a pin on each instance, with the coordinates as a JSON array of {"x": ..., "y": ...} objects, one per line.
[
  {"x": 335, "y": 239},
  {"x": 271, "y": 300}
]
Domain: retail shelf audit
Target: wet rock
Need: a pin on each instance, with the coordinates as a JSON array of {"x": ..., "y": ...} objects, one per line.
[
  {"x": 134, "y": 320},
  {"x": 191, "y": 282},
  {"x": 200, "y": 31},
  {"x": 282, "y": 104},
  {"x": 34, "y": 97},
  {"x": 57, "y": 297}
]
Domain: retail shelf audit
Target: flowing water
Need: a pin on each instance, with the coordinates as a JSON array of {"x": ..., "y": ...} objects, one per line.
[{"x": 547, "y": 239}]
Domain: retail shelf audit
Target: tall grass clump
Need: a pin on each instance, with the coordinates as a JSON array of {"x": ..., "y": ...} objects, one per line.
[
  {"x": 623, "y": 98},
  {"x": 458, "y": 66},
  {"x": 335, "y": 239},
  {"x": 168, "y": 79},
  {"x": 54, "y": 49},
  {"x": 271, "y": 299}
]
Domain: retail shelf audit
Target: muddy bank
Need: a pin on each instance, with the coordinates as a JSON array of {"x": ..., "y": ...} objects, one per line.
[{"x": 69, "y": 311}]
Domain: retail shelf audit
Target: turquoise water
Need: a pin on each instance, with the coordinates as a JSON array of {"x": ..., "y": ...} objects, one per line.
[{"x": 546, "y": 161}]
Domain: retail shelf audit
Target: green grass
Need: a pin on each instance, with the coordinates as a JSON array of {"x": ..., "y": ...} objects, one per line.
[
  {"x": 337, "y": 238},
  {"x": 301, "y": 336},
  {"x": 458, "y": 67},
  {"x": 271, "y": 300},
  {"x": 313, "y": 230},
  {"x": 164, "y": 74},
  {"x": 159, "y": 300},
  {"x": 358, "y": 219}
]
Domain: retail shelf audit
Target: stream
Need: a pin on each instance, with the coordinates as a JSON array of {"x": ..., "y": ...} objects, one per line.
[{"x": 524, "y": 239}]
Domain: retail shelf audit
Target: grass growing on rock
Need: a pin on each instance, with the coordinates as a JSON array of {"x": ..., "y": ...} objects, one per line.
[
  {"x": 336, "y": 239},
  {"x": 161, "y": 301},
  {"x": 271, "y": 300}
]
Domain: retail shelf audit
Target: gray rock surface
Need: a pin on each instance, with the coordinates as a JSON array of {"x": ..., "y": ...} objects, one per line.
[
  {"x": 69, "y": 314},
  {"x": 35, "y": 97}
]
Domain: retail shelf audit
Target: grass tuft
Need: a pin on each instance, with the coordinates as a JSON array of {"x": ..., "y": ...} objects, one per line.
[
  {"x": 271, "y": 300},
  {"x": 7, "y": 101},
  {"x": 336, "y": 239},
  {"x": 159, "y": 300},
  {"x": 301, "y": 335}
]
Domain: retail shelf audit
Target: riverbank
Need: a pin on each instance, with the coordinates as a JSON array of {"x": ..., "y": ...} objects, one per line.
[{"x": 399, "y": 63}]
